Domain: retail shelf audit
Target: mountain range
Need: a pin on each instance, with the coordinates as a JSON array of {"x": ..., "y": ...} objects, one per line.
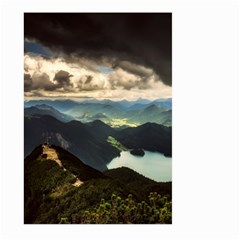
[
  {"x": 60, "y": 105},
  {"x": 114, "y": 113},
  {"x": 44, "y": 109},
  {"x": 89, "y": 141}
]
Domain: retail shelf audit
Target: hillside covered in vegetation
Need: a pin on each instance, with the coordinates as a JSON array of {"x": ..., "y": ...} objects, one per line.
[{"x": 60, "y": 188}]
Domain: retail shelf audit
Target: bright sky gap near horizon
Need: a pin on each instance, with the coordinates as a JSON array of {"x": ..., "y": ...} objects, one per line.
[{"x": 81, "y": 57}]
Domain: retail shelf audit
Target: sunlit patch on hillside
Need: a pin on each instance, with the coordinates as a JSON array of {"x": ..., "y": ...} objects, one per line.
[
  {"x": 119, "y": 122},
  {"x": 115, "y": 143}
]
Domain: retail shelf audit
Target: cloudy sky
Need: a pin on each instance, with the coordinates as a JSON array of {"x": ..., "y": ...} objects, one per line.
[{"x": 117, "y": 56}]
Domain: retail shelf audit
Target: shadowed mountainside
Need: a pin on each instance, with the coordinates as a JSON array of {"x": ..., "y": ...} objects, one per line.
[
  {"x": 74, "y": 136},
  {"x": 149, "y": 136},
  {"x": 90, "y": 141}
]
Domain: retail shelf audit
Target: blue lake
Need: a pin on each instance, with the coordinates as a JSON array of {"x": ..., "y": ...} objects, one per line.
[{"x": 153, "y": 165}]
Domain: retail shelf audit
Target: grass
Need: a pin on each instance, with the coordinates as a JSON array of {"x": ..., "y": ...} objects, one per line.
[
  {"x": 60, "y": 191},
  {"x": 116, "y": 144}
]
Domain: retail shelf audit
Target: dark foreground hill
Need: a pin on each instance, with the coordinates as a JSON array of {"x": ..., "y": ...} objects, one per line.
[
  {"x": 139, "y": 183},
  {"x": 60, "y": 188}
]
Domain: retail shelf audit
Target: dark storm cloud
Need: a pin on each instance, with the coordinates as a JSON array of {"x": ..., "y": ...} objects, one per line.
[
  {"x": 27, "y": 82},
  {"x": 42, "y": 81},
  {"x": 141, "y": 71},
  {"x": 38, "y": 81},
  {"x": 63, "y": 79},
  {"x": 143, "y": 39}
]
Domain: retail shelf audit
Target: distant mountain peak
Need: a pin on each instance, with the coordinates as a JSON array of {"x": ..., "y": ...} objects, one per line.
[
  {"x": 98, "y": 122},
  {"x": 44, "y": 106},
  {"x": 152, "y": 107},
  {"x": 44, "y": 109}
]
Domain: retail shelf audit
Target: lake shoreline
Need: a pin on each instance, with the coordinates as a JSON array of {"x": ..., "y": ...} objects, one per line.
[{"x": 153, "y": 165}]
